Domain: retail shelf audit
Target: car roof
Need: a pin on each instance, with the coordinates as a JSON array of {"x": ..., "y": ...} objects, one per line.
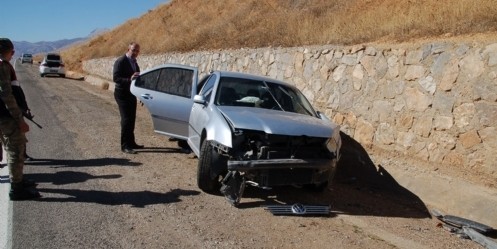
[
  {"x": 225, "y": 74},
  {"x": 250, "y": 76}
]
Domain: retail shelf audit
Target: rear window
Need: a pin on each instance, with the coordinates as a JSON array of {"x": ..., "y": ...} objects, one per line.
[
  {"x": 53, "y": 57},
  {"x": 27, "y": 55}
]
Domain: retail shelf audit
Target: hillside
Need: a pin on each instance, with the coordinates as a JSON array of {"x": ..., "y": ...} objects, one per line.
[{"x": 186, "y": 25}]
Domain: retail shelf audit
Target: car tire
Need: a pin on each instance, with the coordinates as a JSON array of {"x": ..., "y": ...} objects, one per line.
[
  {"x": 206, "y": 181},
  {"x": 42, "y": 75},
  {"x": 63, "y": 75}
]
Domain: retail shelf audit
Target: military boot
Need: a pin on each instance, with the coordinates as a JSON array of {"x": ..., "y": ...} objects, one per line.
[
  {"x": 19, "y": 192},
  {"x": 28, "y": 183}
]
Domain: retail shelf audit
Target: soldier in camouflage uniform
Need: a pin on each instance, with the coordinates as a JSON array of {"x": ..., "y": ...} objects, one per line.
[{"x": 13, "y": 127}]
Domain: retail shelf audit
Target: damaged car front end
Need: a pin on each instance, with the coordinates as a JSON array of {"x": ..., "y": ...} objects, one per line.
[{"x": 269, "y": 160}]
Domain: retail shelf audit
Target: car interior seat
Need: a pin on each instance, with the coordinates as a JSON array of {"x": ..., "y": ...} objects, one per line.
[
  {"x": 268, "y": 101},
  {"x": 253, "y": 93},
  {"x": 228, "y": 96}
]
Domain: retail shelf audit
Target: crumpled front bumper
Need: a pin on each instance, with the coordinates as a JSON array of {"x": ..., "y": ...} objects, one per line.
[
  {"x": 267, "y": 164},
  {"x": 280, "y": 172}
]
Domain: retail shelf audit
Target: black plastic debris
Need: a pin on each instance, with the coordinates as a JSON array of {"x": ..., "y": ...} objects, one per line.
[{"x": 468, "y": 229}]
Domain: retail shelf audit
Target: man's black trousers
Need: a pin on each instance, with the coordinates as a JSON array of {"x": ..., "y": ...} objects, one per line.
[{"x": 127, "y": 108}]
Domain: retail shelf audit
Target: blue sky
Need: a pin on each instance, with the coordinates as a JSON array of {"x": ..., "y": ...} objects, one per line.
[{"x": 52, "y": 20}]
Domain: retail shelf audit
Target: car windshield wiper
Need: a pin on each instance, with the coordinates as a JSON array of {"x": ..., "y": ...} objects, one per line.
[
  {"x": 268, "y": 89},
  {"x": 294, "y": 100}
]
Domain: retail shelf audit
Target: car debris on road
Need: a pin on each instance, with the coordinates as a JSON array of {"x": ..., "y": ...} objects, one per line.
[{"x": 467, "y": 229}]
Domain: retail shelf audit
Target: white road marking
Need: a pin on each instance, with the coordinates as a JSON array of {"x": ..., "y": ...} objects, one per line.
[{"x": 5, "y": 208}]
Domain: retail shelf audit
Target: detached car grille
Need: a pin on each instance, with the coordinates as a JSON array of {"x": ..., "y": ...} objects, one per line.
[{"x": 299, "y": 209}]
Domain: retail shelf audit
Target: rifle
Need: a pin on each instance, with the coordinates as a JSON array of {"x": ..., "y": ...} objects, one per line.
[{"x": 30, "y": 118}]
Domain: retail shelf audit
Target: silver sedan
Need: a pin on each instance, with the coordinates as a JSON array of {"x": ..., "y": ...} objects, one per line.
[{"x": 245, "y": 129}]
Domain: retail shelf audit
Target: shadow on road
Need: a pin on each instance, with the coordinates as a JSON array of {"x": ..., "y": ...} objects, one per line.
[
  {"x": 163, "y": 150},
  {"x": 66, "y": 177},
  {"x": 359, "y": 188},
  {"x": 136, "y": 199},
  {"x": 94, "y": 162}
]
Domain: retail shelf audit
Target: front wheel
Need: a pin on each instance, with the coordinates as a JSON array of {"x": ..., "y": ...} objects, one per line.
[{"x": 208, "y": 180}]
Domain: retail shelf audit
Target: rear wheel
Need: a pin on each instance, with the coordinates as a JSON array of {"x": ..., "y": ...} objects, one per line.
[
  {"x": 63, "y": 75},
  {"x": 42, "y": 75},
  {"x": 207, "y": 179}
]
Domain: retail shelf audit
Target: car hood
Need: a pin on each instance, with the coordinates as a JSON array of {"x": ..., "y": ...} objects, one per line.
[{"x": 277, "y": 122}]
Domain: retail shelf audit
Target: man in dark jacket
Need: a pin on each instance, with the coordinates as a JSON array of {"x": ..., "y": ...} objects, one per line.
[{"x": 125, "y": 70}]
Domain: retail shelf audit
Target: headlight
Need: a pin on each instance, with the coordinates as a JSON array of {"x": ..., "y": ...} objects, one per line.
[
  {"x": 221, "y": 147},
  {"x": 335, "y": 142},
  {"x": 237, "y": 132}
]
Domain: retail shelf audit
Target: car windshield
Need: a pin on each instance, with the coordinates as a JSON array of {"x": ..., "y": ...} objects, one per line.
[{"x": 261, "y": 94}]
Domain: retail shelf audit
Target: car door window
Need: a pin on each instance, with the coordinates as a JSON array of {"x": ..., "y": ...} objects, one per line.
[
  {"x": 202, "y": 83},
  {"x": 176, "y": 81},
  {"x": 148, "y": 80},
  {"x": 207, "y": 88}
]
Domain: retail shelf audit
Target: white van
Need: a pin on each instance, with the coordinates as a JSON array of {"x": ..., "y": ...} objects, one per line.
[{"x": 28, "y": 58}]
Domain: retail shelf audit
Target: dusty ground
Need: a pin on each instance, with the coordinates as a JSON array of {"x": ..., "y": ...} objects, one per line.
[{"x": 370, "y": 210}]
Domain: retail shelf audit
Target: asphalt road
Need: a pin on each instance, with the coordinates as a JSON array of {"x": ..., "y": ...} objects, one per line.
[
  {"x": 63, "y": 174},
  {"x": 94, "y": 196}
]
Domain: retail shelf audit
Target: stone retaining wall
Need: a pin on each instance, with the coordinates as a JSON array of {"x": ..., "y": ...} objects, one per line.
[{"x": 436, "y": 101}]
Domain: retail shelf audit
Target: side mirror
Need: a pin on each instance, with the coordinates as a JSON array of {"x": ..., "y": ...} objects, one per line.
[
  {"x": 199, "y": 99},
  {"x": 323, "y": 116}
]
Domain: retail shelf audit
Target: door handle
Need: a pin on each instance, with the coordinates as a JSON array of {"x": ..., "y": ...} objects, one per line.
[{"x": 147, "y": 96}]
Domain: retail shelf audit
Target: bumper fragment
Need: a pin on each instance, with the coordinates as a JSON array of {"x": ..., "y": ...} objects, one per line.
[{"x": 279, "y": 164}]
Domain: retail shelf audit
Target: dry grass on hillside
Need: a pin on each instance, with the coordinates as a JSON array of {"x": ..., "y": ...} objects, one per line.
[{"x": 185, "y": 25}]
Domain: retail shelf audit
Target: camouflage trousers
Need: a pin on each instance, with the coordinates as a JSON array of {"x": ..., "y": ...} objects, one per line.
[{"x": 14, "y": 142}]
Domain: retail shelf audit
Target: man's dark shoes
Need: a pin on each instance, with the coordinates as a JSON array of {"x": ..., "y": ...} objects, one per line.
[
  {"x": 129, "y": 151},
  {"x": 136, "y": 146},
  {"x": 28, "y": 183},
  {"x": 18, "y": 192}
]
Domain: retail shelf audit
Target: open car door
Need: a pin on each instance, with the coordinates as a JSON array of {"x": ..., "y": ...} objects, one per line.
[{"x": 167, "y": 92}]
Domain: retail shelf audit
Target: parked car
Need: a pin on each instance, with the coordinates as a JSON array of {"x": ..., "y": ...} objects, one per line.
[
  {"x": 244, "y": 129},
  {"x": 26, "y": 58},
  {"x": 52, "y": 64}
]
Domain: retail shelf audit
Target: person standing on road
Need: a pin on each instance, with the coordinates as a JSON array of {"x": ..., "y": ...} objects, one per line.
[
  {"x": 22, "y": 103},
  {"x": 125, "y": 70},
  {"x": 13, "y": 127}
]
